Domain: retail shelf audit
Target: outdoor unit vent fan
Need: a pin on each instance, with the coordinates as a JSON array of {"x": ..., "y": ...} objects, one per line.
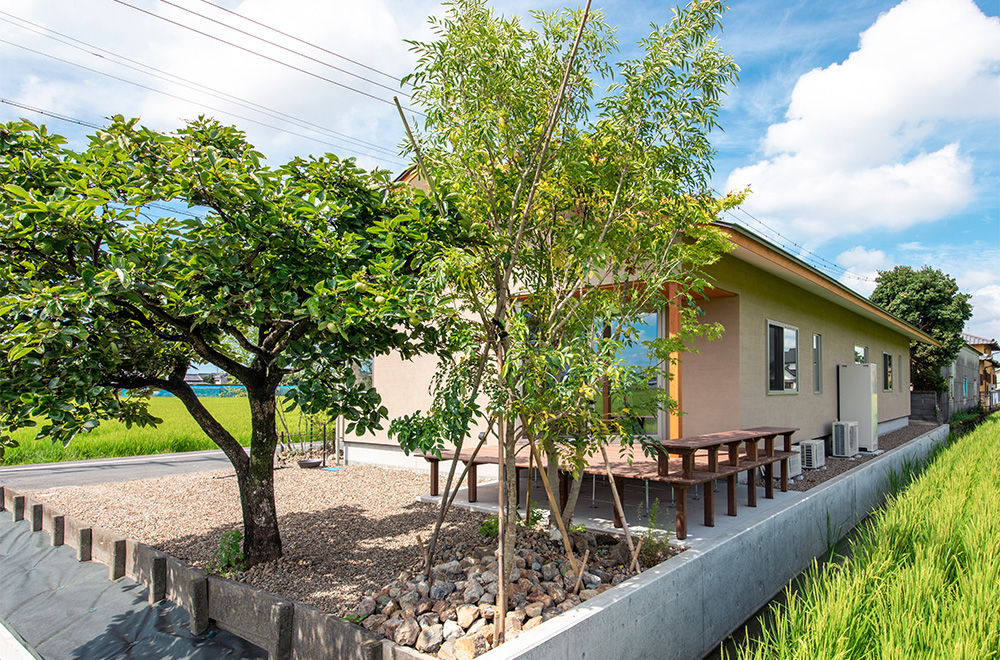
[
  {"x": 813, "y": 453},
  {"x": 845, "y": 439}
]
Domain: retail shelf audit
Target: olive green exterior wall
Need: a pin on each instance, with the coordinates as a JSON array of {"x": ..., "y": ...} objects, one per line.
[{"x": 711, "y": 404}]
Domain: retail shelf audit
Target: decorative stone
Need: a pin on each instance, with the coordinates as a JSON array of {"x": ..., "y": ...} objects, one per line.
[
  {"x": 366, "y": 607},
  {"x": 470, "y": 646},
  {"x": 486, "y": 610},
  {"x": 587, "y": 594},
  {"x": 452, "y": 630},
  {"x": 407, "y": 632},
  {"x": 466, "y": 615},
  {"x": 533, "y": 622},
  {"x": 374, "y": 621},
  {"x": 549, "y": 572},
  {"x": 442, "y": 590},
  {"x": 447, "y": 650},
  {"x": 391, "y": 608},
  {"x": 531, "y": 610},
  {"x": 430, "y": 639},
  {"x": 473, "y": 592},
  {"x": 488, "y": 576}
]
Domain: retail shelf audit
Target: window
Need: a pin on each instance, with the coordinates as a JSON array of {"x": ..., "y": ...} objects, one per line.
[
  {"x": 886, "y": 372},
  {"x": 965, "y": 388},
  {"x": 860, "y": 354},
  {"x": 899, "y": 378},
  {"x": 782, "y": 358},
  {"x": 639, "y": 398},
  {"x": 817, "y": 364},
  {"x": 951, "y": 387}
]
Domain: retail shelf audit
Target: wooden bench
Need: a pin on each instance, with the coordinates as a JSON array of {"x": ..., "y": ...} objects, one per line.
[{"x": 697, "y": 462}]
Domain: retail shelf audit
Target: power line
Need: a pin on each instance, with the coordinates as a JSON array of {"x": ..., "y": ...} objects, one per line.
[
  {"x": 285, "y": 48},
  {"x": 261, "y": 55},
  {"x": 181, "y": 98},
  {"x": 49, "y": 113},
  {"x": 184, "y": 82},
  {"x": 303, "y": 41},
  {"x": 789, "y": 244}
]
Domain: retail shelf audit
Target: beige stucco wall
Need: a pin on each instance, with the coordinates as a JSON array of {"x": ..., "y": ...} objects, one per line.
[{"x": 710, "y": 403}]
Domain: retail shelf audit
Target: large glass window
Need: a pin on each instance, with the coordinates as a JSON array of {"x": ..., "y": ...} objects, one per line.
[
  {"x": 817, "y": 364},
  {"x": 641, "y": 399},
  {"x": 782, "y": 358},
  {"x": 886, "y": 372},
  {"x": 860, "y": 354}
]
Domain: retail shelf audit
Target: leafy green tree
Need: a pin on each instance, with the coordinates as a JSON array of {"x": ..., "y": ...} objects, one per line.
[
  {"x": 302, "y": 271},
  {"x": 594, "y": 212},
  {"x": 929, "y": 300}
]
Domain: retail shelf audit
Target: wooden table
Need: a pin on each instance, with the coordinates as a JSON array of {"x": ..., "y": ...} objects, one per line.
[
  {"x": 692, "y": 469},
  {"x": 712, "y": 443}
]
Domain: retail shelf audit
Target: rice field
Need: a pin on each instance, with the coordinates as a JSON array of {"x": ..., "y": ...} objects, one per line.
[
  {"x": 921, "y": 581},
  {"x": 177, "y": 433}
]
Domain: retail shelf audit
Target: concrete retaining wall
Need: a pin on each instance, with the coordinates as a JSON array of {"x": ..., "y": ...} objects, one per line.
[{"x": 686, "y": 606}]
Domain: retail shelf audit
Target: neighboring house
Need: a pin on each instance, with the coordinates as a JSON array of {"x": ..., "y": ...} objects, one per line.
[
  {"x": 963, "y": 382},
  {"x": 989, "y": 369},
  {"x": 787, "y": 328}
]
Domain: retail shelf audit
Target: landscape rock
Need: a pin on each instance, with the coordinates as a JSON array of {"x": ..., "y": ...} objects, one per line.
[
  {"x": 407, "y": 632},
  {"x": 430, "y": 639},
  {"x": 466, "y": 615}
]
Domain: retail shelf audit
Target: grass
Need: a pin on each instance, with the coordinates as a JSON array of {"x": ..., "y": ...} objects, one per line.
[
  {"x": 921, "y": 580},
  {"x": 177, "y": 433}
]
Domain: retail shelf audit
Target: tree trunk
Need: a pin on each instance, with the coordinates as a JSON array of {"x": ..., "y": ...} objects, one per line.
[
  {"x": 261, "y": 539},
  {"x": 254, "y": 475}
]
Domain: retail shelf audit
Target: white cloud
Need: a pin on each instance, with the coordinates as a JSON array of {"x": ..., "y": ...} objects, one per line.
[
  {"x": 370, "y": 32},
  {"x": 973, "y": 266},
  {"x": 863, "y": 266},
  {"x": 857, "y": 149}
]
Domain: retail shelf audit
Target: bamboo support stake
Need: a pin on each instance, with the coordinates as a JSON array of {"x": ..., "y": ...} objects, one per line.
[
  {"x": 583, "y": 567},
  {"x": 549, "y": 494},
  {"x": 617, "y": 500},
  {"x": 634, "y": 564}
]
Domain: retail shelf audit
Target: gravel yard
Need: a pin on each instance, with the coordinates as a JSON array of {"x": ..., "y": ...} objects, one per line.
[{"x": 346, "y": 534}]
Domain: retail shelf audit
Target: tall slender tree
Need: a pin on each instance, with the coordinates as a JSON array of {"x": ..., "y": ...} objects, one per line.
[{"x": 594, "y": 212}]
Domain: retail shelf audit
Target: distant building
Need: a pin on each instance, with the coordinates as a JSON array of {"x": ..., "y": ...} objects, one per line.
[{"x": 989, "y": 369}]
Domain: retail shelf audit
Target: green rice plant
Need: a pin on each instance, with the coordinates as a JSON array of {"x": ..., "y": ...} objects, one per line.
[
  {"x": 921, "y": 579},
  {"x": 178, "y": 433}
]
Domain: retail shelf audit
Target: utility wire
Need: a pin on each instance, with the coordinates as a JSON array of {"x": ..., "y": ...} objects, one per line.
[
  {"x": 303, "y": 41},
  {"x": 820, "y": 262},
  {"x": 261, "y": 55},
  {"x": 184, "y": 82},
  {"x": 49, "y": 113},
  {"x": 284, "y": 48},
  {"x": 186, "y": 100}
]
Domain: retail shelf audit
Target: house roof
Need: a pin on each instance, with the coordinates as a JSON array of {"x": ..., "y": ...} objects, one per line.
[
  {"x": 974, "y": 340},
  {"x": 769, "y": 257}
]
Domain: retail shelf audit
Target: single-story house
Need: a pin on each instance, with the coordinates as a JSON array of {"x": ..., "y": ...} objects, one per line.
[{"x": 788, "y": 326}]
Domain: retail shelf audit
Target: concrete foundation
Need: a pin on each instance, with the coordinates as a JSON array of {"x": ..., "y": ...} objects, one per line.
[{"x": 686, "y": 606}]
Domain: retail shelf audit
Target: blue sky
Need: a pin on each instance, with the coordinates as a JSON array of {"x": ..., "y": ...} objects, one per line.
[{"x": 868, "y": 131}]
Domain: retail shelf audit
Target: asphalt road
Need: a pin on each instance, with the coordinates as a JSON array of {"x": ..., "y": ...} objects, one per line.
[{"x": 106, "y": 470}]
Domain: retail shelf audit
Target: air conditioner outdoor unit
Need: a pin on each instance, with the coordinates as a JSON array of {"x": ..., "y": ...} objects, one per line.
[
  {"x": 813, "y": 453},
  {"x": 795, "y": 463},
  {"x": 845, "y": 439}
]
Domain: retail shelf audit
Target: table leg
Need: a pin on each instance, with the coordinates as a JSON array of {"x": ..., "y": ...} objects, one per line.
[
  {"x": 680, "y": 495},
  {"x": 769, "y": 481},
  {"x": 473, "y": 480},
  {"x": 752, "y": 487},
  {"x": 731, "y": 493},
  {"x": 784, "y": 475},
  {"x": 435, "y": 486},
  {"x": 662, "y": 463},
  {"x": 709, "y": 504}
]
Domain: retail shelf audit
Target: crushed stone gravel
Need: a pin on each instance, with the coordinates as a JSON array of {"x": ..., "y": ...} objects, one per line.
[{"x": 345, "y": 534}]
